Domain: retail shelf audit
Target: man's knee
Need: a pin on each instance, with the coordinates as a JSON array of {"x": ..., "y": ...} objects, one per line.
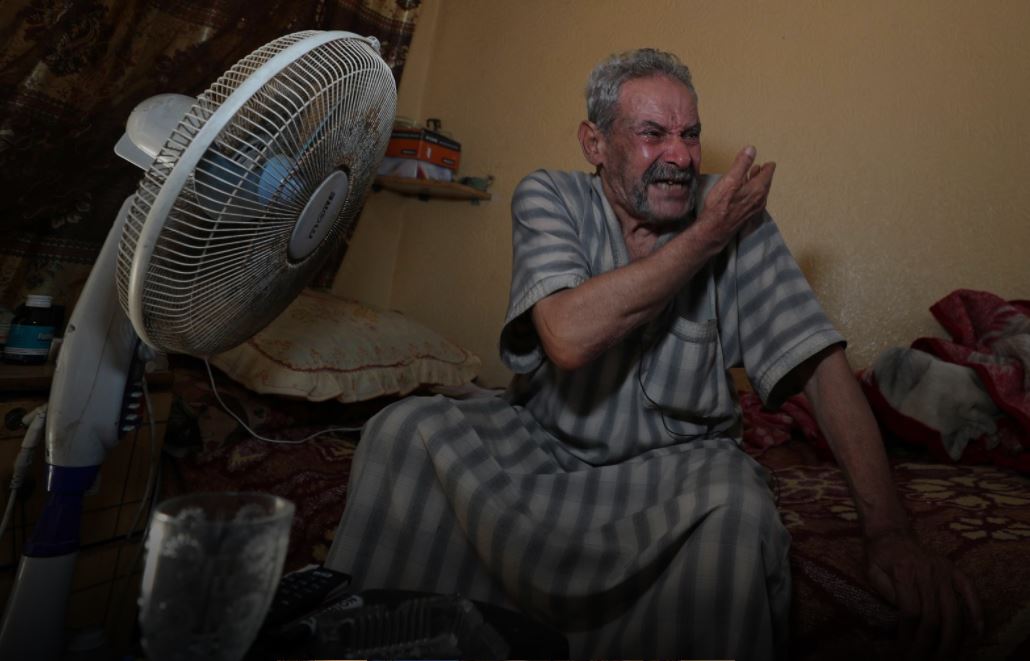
[
  {"x": 747, "y": 519},
  {"x": 400, "y": 421},
  {"x": 391, "y": 440}
]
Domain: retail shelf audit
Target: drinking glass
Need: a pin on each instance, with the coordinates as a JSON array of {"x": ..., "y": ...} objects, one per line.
[{"x": 213, "y": 562}]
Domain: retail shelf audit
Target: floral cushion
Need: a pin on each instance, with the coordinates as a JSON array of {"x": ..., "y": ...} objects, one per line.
[{"x": 324, "y": 347}]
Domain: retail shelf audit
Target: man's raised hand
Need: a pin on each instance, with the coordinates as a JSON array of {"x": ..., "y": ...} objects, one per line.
[{"x": 736, "y": 198}]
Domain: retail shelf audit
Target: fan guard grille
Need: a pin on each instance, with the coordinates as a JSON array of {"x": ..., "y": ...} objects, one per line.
[{"x": 212, "y": 270}]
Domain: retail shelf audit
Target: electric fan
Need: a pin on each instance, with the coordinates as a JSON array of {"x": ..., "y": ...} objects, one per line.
[{"x": 248, "y": 188}]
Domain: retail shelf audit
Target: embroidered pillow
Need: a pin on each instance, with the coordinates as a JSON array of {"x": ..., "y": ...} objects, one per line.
[{"x": 324, "y": 347}]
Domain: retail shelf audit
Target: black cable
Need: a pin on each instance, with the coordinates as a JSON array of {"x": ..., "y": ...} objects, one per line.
[
  {"x": 656, "y": 405},
  {"x": 117, "y": 519},
  {"x": 775, "y": 487}
]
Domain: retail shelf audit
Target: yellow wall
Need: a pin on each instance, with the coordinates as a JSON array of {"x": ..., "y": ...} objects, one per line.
[{"x": 901, "y": 133}]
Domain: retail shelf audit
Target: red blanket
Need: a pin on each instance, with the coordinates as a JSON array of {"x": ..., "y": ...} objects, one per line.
[
  {"x": 992, "y": 337},
  {"x": 764, "y": 428},
  {"x": 966, "y": 399}
]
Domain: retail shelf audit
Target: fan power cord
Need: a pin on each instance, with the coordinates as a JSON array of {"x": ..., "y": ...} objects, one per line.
[
  {"x": 35, "y": 420},
  {"x": 285, "y": 441},
  {"x": 155, "y": 456},
  {"x": 148, "y": 500}
]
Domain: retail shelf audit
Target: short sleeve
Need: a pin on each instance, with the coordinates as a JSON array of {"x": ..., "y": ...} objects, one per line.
[
  {"x": 547, "y": 256},
  {"x": 781, "y": 322}
]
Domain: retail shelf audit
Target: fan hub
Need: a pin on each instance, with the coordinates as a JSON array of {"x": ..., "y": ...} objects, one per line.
[{"x": 318, "y": 215}]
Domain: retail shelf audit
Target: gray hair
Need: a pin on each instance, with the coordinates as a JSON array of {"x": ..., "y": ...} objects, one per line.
[{"x": 607, "y": 78}]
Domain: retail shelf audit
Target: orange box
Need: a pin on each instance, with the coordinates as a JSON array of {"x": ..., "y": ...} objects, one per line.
[{"x": 425, "y": 145}]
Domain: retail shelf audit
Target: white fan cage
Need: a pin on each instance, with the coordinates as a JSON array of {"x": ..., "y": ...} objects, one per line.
[{"x": 203, "y": 261}]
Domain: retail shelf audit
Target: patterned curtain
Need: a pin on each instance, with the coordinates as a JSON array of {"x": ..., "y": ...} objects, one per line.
[{"x": 71, "y": 71}]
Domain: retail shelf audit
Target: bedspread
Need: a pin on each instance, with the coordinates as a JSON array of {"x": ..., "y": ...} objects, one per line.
[{"x": 979, "y": 516}]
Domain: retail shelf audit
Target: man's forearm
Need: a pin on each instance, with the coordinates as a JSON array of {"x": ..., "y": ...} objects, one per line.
[
  {"x": 576, "y": 325},
  {"x": 848, "y": 424}
]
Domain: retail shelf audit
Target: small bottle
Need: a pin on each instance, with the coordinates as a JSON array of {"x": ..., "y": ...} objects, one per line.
[{"x": 32, "y": 329}]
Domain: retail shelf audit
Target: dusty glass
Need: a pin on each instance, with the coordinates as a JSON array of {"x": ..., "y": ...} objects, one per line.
[{"x": 213, "y": 561}]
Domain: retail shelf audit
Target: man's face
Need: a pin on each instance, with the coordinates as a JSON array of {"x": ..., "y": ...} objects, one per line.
[{"x": 652, "y": 153}]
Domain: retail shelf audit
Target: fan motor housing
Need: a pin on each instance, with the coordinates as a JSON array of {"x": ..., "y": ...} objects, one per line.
[{"x": 318, "y": 215}]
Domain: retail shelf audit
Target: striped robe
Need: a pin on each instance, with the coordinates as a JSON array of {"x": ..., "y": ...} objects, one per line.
[{"x": 612, "y": 502}]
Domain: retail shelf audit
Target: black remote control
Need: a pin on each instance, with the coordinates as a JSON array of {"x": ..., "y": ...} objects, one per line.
[{"x": 301, "y": 592}]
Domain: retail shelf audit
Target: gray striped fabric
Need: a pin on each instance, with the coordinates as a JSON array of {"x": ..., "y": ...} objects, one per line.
[{"x": 612, "y": 502}]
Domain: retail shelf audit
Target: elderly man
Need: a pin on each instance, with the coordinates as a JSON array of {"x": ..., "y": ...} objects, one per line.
[{"x": 607, "y": 493}]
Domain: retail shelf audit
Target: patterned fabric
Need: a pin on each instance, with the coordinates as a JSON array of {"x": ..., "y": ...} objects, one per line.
[
  {"x": 668, "y": 381},
  {"x": 991, "y": 336},
  {"x": 979, "y": 516},
  {"x": 615, "y": 486},
  {"x": 211, "y": 451},
  {"x": 324, "y": 347},
  {"x": 71, "y": 71},
  {"x": 474, "y": 497},
  {"x": 966, "y": 399}
]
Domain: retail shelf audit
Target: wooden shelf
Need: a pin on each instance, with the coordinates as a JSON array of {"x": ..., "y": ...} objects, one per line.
[
  {"x": 25, "y": 377},
  {"x": 425, "y": 189},
  {"x": 37, "y": 378}
]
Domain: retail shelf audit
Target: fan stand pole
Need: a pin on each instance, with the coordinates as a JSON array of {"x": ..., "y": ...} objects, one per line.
[
  {"x": 83, "y": 422},
  {"x": 34, "y": 623}
]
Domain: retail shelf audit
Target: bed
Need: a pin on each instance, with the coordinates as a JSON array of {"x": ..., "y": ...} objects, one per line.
[{"x": 976, "y": 513}]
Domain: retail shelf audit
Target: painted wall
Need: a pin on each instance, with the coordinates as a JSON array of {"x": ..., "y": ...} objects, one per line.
[
  {"x": 900, "y": 132},
  {"x": 367, "y": 271}
]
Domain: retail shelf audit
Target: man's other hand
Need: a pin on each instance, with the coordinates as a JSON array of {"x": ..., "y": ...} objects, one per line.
[{"x": 937, "y": 603}]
